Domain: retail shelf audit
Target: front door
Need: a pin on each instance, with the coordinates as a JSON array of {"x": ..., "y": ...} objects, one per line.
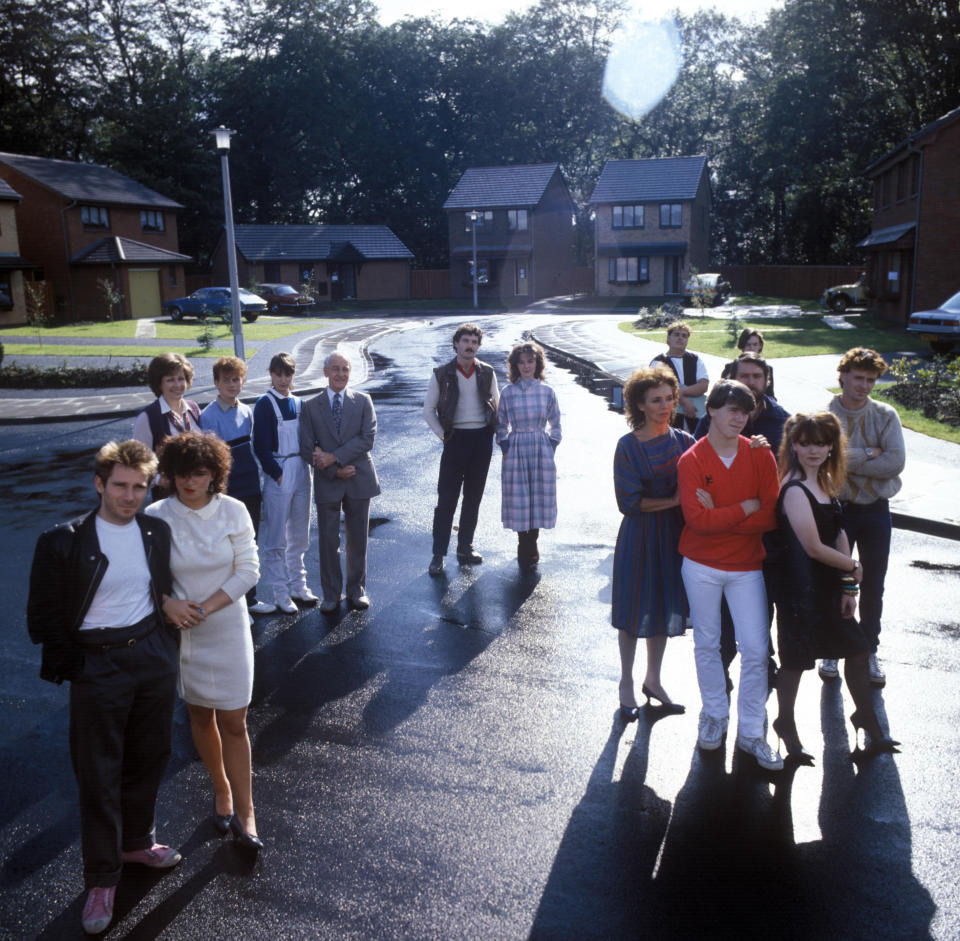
[
  {"x": 144, "y": 292},
  {"x": 521, "y": 277},
  {"x": 343, "y": 282},
  {"x": 671, "y": 275}
]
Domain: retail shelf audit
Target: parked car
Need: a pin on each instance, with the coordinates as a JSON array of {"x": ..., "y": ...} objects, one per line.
[
  {"x": 215, "y": 302},
  {"x": 710, "y": 288},
  {"x": 939, "y": 327},
  {"x": 283, "y": 297},
  {"x": 842, "y": 296}
]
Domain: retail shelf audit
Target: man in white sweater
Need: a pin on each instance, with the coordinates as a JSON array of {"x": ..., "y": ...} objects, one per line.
[
  {"x": 461, "y": 408},
  {"x": 876, "y": 455}
]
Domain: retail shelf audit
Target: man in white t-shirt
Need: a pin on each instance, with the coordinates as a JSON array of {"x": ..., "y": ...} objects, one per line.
[
  {"x": 691, "y": 374},
  {"x": 97, "y": 589}
]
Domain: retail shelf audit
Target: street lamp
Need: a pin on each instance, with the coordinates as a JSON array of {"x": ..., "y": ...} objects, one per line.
[
  {"x": 474, "y": 216},
  {"x": 223, "y": 136}
]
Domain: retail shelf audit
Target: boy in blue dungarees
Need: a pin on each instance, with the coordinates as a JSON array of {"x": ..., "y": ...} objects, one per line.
[{"x": 287, "y": 485}]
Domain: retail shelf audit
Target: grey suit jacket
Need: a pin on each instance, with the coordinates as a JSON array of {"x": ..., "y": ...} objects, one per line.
[{"x": 358, "y": 428}]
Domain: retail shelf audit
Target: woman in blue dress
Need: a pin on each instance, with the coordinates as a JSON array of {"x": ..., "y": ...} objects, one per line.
[{"x": 648, "y": 595}]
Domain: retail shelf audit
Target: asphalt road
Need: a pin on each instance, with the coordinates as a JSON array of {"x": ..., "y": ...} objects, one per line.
[{"x": 450, "y": 763}]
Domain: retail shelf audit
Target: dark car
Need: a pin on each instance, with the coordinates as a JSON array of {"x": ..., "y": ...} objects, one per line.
[
  {"x": 283, "y": 297},
  {"x": 215, "y": 302},
  {"x": 939, "y": 327}
]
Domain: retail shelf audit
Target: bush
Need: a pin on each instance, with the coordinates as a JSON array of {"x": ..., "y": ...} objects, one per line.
[
  {"x": 933, "y": 390},
  {"x": 661, "y": 316},
  {"x": 73, "y": 377}
]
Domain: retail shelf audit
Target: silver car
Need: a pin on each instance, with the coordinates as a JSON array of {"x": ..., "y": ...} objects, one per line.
[{"x": 939, "y": 327}]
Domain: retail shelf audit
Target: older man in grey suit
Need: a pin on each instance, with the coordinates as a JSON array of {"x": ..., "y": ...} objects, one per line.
[{"x": 337, "y": 430}]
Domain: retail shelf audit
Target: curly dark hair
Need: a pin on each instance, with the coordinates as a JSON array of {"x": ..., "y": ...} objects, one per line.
[
  {"x": 639, "y": 384},
  {"x": 513, "y": 360},
  {"x": 468, "y": 328},
  {"x": 167, "y": 364},
  {"x": 192, "y": 451}
]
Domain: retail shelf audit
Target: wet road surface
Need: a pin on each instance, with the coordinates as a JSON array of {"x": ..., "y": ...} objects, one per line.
[{"x": 450, "y": 763}]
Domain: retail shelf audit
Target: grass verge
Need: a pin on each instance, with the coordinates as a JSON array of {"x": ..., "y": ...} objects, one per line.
[
  {"x": 806, "y": 335},
  {"x": 267, "y": 328},
  {"x": 63, "y": 350}
]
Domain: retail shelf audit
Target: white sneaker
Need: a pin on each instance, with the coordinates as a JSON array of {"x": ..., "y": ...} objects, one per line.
[
  {"x": 828, "y": 669},
  {"x": 286, "y": 605},
  {"x": 765, "y": 756},
  {"x": 304, "y": 596},
  {"x": 710, "y": 732},
  {"x": 262, "y": 607},
  {"x": 877, "y": 676}
]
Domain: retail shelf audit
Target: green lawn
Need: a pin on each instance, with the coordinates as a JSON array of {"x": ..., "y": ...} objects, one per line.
[
  {"x": 806, "y": 335},
  {"x": 266, "y": 328},
  {"x": 62, "y": 350}
]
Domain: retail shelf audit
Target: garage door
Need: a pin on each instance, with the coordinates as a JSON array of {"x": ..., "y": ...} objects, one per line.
[{"x": 145, "y": 292}]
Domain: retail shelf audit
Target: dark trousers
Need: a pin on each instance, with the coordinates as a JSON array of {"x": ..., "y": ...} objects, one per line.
[
  {"x": 252, "y": 503},
  {"x": 463, "y": 465},
  {"x": 869, "y": 529},
  {"x": 121, "y": 717}
]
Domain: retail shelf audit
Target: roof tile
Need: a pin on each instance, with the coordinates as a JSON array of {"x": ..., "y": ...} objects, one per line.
[
  {"x": 317, "y": 242},
  {"x": 501, "y": 187},
  {"x": 649, "y": 180}
]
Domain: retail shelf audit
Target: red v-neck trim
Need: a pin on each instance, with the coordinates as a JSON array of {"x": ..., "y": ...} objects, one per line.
[{"x": 464, "y": 373}]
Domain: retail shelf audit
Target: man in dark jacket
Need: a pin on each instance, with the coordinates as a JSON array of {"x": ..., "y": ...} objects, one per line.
[
  {"x": 461, "y": 408},
  {"x": 97, "y": 589}
]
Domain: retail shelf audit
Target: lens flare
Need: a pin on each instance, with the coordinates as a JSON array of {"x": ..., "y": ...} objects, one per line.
[{"x": 644, "y": 61}]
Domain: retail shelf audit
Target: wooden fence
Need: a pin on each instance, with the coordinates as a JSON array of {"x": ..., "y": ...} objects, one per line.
[
  {"x": 800, "y": 281},
  {"x": 430, "y": 283}
]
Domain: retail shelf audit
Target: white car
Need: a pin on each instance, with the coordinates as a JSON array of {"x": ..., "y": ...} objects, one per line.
[
  {"x": 939, "y": 327},
  {"x": 711, "y": 288}
]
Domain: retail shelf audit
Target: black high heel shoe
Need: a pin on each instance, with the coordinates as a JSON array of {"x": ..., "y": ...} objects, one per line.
[
  {"x": 671, "y": 708},
  {"x": 788, "y": 735},
  {"x": 873, "y": 746},
  {"x": 246, "y": 840},
  {"x": 629, "y": 713},
  {"x": 221, "y": 821}
]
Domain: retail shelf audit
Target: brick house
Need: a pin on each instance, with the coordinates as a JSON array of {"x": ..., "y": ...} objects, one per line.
[
  {"x": 912, "y": 246},
  {"x": 651, "y": 225},
  {"x": 80, "y": 222},
  {"x": 13, "y": 301},
  {"x": 524, "y": 230},
  {"x": 365, "y": 262}
]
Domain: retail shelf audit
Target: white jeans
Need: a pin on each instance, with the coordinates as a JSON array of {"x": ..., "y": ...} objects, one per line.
[
  {"x": 747, "y": 600},
  {"x": 285, "y": 529}
]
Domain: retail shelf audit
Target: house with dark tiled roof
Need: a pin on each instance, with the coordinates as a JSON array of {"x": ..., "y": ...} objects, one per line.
[
  {"x": 14, "y": 269},
  {"x": 912, "y": 245},
  {"x": 522, "y": 218},
  {"x": 337, "y": 262},
  {"x": 80, "y": 223},
  {"x": 651, "y": 225}
]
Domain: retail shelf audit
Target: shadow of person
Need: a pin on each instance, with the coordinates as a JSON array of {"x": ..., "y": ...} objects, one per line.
[
  {"x": 863, "y": 864},
  {"x": 600, "y": 880}
]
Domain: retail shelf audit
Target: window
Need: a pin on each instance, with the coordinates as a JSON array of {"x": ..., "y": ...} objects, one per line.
[
  {"x": 271, "y": 272},
  {"x": 172, "y": 276},
  {"x": 483, "y": 271},
  {"x": 629, "y": 270},
  {"x": 671, "y": 215},
  {"x": 6, "y": 295},
  {"x": 628, "y": 217},
  {"x": 95, "y": 217},
  {"x": 483, "y": 218},
  {"x": 915, "y": 174},
  {"x": 151, "y": 220},
  {"x": 517, "y": 220}
]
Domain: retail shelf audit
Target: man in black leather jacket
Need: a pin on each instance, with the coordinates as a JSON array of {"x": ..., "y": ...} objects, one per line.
[{"x": 97, "y": 589}]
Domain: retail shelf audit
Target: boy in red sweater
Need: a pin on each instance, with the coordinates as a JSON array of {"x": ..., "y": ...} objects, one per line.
[{"x": 728, "y": 493}]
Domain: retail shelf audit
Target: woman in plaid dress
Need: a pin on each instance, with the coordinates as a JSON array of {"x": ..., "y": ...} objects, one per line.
[{"x": 529, "y": 477}]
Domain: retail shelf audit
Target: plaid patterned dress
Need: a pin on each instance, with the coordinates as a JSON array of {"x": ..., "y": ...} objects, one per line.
[
  {"x": 648, "y": 595},
  {"x": 529, "y": 475}
]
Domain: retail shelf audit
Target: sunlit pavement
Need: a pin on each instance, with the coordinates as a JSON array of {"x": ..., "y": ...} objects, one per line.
[{"x": 450, "y": 763}]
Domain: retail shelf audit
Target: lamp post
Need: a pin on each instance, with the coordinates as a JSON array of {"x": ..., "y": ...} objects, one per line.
[
  {"x": 474, "y": 216},
  {"x": 223, "y": 136}
]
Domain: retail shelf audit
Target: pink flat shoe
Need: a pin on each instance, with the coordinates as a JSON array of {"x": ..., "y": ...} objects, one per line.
[
  {"x": 98, "y": 910},
  {"x": 157, "y": 857}
]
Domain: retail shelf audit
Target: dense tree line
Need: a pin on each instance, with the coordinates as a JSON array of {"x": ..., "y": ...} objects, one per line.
[{"x": 340, "y": 119}]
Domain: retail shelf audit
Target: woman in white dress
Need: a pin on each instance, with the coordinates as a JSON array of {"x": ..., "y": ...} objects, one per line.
[{"x": 213, "y": 559}]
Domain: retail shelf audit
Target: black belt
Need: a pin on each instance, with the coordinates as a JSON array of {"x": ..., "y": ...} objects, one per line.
[
  {"x": 238, "y": 441},
  {"x": 110, "y": 638}
]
